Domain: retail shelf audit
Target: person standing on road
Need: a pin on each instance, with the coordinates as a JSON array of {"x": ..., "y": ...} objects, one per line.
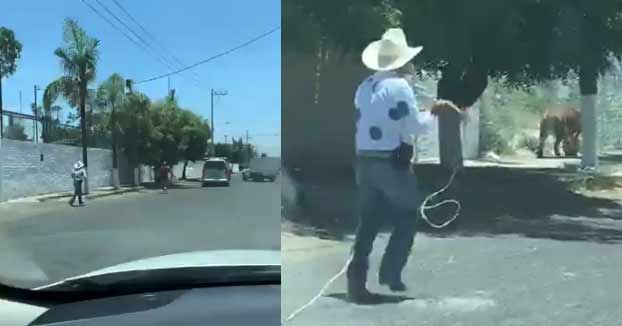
[
  {"x": 165, "y": 175},
  {"x": 78, "y": 175},
  {"x": 387, "y": 119}
]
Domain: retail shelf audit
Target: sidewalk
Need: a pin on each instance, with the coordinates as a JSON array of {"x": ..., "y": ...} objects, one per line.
[{"x": 94, "y": 193}]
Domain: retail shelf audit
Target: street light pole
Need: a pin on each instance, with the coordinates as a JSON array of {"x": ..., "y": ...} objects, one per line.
[{"x": 212, "y": 94}]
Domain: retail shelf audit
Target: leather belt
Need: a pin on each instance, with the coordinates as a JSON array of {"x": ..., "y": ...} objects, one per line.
[{"x": 374, "y": 154}]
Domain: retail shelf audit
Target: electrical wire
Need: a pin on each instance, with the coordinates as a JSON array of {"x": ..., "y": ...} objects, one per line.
[
  {"x": 151, "y": 36},
  {"x": 247, "y": 43}
]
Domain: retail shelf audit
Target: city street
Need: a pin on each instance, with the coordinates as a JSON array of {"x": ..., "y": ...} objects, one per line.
[
  {"x": 479, "y": 280},
  {"x": 541, "y": 253},
  {"x": 47, "y": 242}
]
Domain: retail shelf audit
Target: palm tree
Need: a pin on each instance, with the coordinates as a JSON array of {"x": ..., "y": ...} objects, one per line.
[
  {"x": 78, "y": 58},
  {"x": 112, "y": 91}
]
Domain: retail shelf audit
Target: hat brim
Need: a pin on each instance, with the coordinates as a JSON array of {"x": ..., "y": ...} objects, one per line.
[{"x": 370, "y": 57}]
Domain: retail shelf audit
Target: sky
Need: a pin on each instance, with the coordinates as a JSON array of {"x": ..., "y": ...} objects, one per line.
[{"x": 190, "y": 30}]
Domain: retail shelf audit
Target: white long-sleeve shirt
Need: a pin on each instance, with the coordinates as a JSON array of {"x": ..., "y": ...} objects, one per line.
[
  {"x": 79, "y": 174},
  {"x": 387, "y": 113}
]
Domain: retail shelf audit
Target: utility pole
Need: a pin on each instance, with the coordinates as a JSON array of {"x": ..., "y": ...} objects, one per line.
[
  {"x": 248, "y": 148},
  {"x": 36, "y": 112},
  {"x": 212, "y": 94}
]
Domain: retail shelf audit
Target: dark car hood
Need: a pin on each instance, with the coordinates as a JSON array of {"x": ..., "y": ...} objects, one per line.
[{"x": 211, "y": 258}]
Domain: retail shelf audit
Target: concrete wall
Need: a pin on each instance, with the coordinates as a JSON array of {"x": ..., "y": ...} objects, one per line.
[
  {"x": 29, "y": 169},
  {"x": 470, "y": 134}
]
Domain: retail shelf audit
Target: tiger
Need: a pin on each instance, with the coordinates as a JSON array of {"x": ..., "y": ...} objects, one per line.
[{"x": 565, "y": 125}]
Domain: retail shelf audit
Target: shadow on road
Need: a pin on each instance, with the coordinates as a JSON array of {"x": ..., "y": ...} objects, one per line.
[
  {"x": 537, "y": 203},
  {"x": 184, "y": 184},
  {"x": 377, "y": 299}
]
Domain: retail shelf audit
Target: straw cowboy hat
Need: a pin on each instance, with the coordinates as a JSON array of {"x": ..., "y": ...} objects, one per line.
[
  {"x": 78, "y": 165},
  {"x": 389, "y": 53}
]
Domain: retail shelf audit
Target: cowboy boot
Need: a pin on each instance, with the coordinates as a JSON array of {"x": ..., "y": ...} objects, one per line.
[
  {"x": 357, "y": 290},
  {"x": 391, "y": 279}
]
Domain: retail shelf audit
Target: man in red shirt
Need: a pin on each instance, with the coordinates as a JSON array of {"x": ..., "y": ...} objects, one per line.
[{"x": 164, "y": 173}]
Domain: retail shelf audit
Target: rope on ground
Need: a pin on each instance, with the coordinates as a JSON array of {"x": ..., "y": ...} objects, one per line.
[
  {"x": 321, "y": 293},
  {"x": 422, "y": 210}
]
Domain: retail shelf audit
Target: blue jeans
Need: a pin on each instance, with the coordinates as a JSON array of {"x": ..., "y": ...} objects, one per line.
[
  {"x": 386, "y": 193},
  {"x": 77, "y": 192}
]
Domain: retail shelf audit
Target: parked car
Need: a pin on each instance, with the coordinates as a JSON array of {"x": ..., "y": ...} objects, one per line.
[
  {"x": 216, "y": 171},
  {"x": 245, "y": 174},
  {"x": 263, "y": 168}
]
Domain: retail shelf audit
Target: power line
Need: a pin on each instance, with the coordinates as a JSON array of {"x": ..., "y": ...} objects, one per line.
[
  {"x": 112, "y": 24},
  {"x": 120, "y": 30},
  {"x": 151, "y": 36},
  {"x": 169, "y": 63},
  {"x": 213, "y": 57},
  {"x": 163, "y": 59}
]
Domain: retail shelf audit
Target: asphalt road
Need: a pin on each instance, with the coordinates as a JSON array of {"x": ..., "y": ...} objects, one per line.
[
  {"x": 487, "y": 281},
  {"x": 46, "y": 242}
]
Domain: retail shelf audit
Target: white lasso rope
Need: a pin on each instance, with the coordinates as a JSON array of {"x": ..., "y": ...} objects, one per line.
[{"x": 422, "y": 210}]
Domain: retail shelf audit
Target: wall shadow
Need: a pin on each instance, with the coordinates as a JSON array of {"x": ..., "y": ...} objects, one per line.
[{"x": 535, "y": 203}]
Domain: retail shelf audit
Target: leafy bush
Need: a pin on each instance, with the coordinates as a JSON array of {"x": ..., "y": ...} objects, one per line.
[
  {"x": 529, "y": 142},
  {"x": 16, "y": 132},
  {"x": 491, "y": 139}
]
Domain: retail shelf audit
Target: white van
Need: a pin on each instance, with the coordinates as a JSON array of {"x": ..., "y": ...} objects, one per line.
[{"x": 216, "y": 171}]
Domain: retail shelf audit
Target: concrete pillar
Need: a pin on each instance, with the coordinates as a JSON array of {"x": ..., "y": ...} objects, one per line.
[
  {"x": 470, "y": 133},
  {"x": 589, "y": 147},
  {"x": 137, "y": 176},
  {"x": 115, "y": 178}
]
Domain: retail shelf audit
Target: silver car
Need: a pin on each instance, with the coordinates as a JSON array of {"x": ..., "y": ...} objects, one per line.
[{"x": 216, "y": 171}]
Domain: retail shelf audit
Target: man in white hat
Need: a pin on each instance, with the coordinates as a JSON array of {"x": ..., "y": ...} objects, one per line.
[
  {"x": 78, "y": 175},
  {"x": 387, "y": 118}
]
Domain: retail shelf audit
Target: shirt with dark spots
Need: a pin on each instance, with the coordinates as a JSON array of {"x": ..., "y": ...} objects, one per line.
[{"x": 386, "y": 113}]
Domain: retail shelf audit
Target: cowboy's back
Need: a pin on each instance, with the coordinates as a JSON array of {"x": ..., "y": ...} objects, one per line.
[
  {"x": 387, "y": 113},
  {"x": 78, "y": 175}
]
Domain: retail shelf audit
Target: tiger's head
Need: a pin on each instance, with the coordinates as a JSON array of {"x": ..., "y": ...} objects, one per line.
[{"x": 571, "y": 145}]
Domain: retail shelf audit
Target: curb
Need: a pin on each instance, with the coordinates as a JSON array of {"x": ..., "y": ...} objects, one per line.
[{"x": 92, "y": 196}]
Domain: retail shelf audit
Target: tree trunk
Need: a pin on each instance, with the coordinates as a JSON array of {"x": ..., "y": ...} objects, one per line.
[
  {"x": 183, "y": 172},
  {"x": 83, "y": 91},
  {"x": 463, "y": 87},
  {"x": 113, "y": 122},
  {"x": 115, "y": 157},
  {"x": 588, "y": 82},
  {"x": 450, "y": 144}
]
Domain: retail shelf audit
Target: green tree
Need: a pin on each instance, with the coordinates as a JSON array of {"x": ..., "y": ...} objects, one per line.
[
  {"x": 10, "y": 51},
  {"x": 16, "y": 131},
  {"x": 112, "y": 91},
  {"x": 223, "y": 150},
  {"x": 167, "y": 131},
  {"x": 195, "y": 135},
  {"x": 135, "y": 129},
  {"x": 525, "y": 42},
  {"x": 78, "y": 57}
]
